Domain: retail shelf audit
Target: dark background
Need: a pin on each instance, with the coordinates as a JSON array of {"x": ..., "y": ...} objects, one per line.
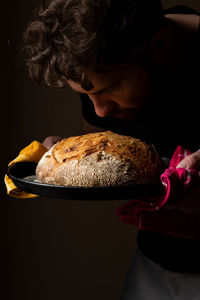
[{"x": 51, "y": 248}]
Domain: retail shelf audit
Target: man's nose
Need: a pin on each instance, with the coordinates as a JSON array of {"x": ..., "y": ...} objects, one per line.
[{"x": 102, "y": 105}]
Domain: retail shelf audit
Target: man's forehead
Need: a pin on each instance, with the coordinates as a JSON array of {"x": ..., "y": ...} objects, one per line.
[{"x": 76, "y": 86}]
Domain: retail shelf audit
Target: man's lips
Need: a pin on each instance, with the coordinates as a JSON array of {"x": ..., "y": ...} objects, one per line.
[{"x": 123, "y": 114}]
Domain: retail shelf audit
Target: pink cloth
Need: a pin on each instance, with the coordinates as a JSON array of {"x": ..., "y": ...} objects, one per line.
[{"x": 147, "y": 213}]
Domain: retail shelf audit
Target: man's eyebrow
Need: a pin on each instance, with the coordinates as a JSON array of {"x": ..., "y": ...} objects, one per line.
[
  {"x": 99, "y": 92},
  {"x": 106, "y": 88}
]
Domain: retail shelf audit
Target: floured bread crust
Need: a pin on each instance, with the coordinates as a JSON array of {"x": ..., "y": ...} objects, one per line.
[{"x": 99, "y": 159}]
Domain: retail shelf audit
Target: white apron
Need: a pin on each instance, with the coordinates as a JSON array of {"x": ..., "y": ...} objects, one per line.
[{"x": 148, "y": 281}]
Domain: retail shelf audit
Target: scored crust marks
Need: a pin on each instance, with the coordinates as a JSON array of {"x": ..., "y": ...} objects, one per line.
[{"x": 120, "y": 146}]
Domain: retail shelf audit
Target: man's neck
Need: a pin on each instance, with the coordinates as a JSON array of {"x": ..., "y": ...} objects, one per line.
[
  {"x": 183, "y": 30},
  {"x": 187, "y": 23}
]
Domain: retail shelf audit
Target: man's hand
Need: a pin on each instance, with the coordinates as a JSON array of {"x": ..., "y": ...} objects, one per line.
[
  {"x": 191, "y": 161},
  {"x": 51, "y": 140},
  {"x": 190, "y": 201}
]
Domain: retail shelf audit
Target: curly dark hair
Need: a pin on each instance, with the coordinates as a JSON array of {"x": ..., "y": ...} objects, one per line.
[{"x": 66, "y": 35}]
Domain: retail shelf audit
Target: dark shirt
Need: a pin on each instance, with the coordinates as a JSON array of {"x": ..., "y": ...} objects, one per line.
[{"x": 170, "y": 119}]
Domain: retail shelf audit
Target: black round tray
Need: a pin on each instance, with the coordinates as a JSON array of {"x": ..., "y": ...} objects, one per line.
[{"x": 19, "y": 172}]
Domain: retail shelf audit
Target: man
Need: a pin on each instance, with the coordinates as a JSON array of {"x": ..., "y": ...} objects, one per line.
[{"x": 134, "y": 66}]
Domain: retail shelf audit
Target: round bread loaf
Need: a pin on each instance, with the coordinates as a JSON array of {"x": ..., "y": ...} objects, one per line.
[{"x": 99, "y": 159}]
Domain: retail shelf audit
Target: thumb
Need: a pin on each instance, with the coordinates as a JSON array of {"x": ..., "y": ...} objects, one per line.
[
  {"x": 191, "y": 161},
  {"x": 182, "y": 164}
]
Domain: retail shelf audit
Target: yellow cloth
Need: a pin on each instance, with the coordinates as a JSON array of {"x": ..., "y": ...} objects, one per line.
[{"x": 32, "y": 152}]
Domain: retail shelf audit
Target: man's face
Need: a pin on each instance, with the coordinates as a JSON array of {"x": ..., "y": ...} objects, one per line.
[{"x": 120, "y": 92}]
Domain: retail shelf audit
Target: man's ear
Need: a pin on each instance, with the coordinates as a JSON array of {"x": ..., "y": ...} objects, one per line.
[{"x": 159, "y": 47}]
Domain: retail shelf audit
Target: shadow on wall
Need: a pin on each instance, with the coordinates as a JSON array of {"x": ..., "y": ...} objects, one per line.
[{"x": 53, "y": 249}]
